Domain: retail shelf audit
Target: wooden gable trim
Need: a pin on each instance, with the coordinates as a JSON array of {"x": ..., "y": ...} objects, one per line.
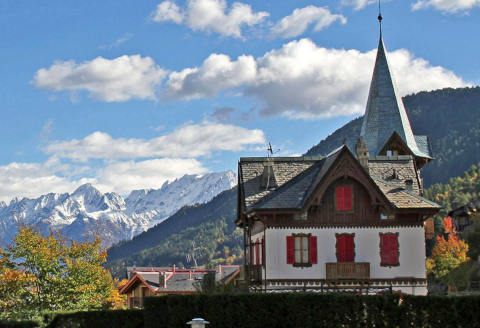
[
  {"x": 132, "y": 282},
  {"x": 395, "y": 137},
  {"x": 346, "y": 165}
]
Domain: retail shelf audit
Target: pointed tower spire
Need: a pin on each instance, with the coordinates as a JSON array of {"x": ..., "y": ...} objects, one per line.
[{"x": 385, "y": 112}]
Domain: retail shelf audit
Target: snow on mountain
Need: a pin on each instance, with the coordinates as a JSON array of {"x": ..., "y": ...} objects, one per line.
[{"x": 87, "y": 211}]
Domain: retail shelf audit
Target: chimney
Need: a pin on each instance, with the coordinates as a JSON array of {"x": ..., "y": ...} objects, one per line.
[
  {"x": 268, "y": 180},
  {"x": 362, "y": 153}
]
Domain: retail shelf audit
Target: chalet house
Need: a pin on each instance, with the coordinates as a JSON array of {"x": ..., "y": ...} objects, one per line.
[
  {"x": 462, "y": 215},
  {"x": 352, "y": 220},
  {"x": 147, "y": 281}
]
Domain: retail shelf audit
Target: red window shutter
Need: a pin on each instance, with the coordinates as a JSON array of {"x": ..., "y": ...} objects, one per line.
[
  {"x": 257, "y": 252},
  {"x": 290, "y": 250},
  {"x": 263, "y": 252},
  {"x": 312, "y": 245},
  {"x": 389, "y": 249},
  {"x": 345, "y": 248},
  {"x": 340, "y": 198},
  {"x": 347, "y": 198}
]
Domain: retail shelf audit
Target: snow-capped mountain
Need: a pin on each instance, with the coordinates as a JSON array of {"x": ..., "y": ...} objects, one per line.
[{"x": 87, "y": 211}]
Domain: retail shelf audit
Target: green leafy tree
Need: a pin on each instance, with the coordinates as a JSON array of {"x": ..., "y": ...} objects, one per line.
[{"x": 56, "y": 274}]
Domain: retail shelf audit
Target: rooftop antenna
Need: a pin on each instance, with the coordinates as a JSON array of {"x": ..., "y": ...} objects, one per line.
[
  {"x": 271, "y": 151},
  {"x": 380, "y": 16}
]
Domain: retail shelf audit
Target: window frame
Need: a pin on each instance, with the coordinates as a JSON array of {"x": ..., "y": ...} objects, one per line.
[
  {"x": 382, "y": 264},
  {"x": 349, "y": 185},
  {"x": 302, "y": 264}
]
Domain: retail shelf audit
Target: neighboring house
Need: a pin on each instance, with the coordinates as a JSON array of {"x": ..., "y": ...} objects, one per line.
[
  {"x": 147, "y": 281},
  {"x": 462, "y": 216},
  {"x": 342, "y": 222}
]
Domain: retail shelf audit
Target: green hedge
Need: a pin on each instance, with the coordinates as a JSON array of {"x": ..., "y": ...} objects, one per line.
[
  {"x": 94, "y": 319},
  {"x": 18, "y": 324},
  {"x": 312, "y": 310}
]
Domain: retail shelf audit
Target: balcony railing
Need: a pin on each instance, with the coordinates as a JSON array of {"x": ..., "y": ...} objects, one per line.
[{"x": 348, "y": 270}]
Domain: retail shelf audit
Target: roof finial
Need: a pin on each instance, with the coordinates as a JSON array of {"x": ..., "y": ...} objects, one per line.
[{"x": 380, "y": 16}]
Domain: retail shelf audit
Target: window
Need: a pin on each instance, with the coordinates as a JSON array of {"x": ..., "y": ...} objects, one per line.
[
  {"x": 344, "y": 198},
  {"x": 345, "y": 247},
  {"x": 389, "y": 252},
  {"x": 301, "y": 250}
]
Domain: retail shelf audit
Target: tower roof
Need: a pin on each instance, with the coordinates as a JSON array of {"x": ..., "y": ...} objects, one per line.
[{"x": 385, "y": 112}]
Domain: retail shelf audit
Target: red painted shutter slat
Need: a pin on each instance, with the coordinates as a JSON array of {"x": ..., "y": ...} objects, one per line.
[
  {"x": 290, "y": 250},
  {"x": 313, "y": 249},
  {"x": 389, "y": 249},
  {"x": 347, "y": 198},
  {"x": 257, "y": 252},
  {"x": 340, "y": 198},
  {"x": 349, "y": 249},
  {"x": 263, "y": 251}
]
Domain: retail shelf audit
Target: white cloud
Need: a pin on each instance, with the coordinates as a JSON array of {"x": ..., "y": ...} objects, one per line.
[
  {"x": 168, "y": 11},
  {"x": 102, "y": 158},
  {"x": 217, "y": 72},
  {"x": 210, "y": 16},
  {"x": 188, "y": 141},
  {"x": 302, "y": 80},
  {"x": 123, "y": 177},
  {"x": 358, "y": 4},
  {"x": 447, "y": 6},
  {"x": 111, "y": 80},
  {"x": 34, "y": 179},
  {"x": 296, "y": 23}
]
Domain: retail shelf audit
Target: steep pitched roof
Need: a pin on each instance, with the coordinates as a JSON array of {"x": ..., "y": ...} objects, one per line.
[
  {"x": 385, "y": 112},
  {"x": 388, "y": 173}
]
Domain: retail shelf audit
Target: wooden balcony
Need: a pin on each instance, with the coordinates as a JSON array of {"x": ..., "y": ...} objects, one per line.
[{"x": 348, "y": 270}]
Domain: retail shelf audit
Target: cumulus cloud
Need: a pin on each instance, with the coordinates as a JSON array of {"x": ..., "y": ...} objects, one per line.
[
  {"x": 123, "y": 177},
  {"x": 111, "y": 80},
  {"x": 210, "y": 16},
  {"x": 297, "y": 23},
  {"x": 188, "y": 141},
  {"x": 217, "y": 72},
  {"x": 302, "y": 80},
  {"x": 358, "y": 4},
  {"x": 447, "y": 6},
  {"x": 34, "y": 179},
  {"x": 168, "y": 11}
]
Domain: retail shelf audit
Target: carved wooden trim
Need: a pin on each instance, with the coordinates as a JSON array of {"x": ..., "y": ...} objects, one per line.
[
  {"x": 380, "y": 249},
  {"x": 346, "y": 167}
]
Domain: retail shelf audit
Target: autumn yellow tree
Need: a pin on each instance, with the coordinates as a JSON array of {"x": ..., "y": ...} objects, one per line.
[
  {"x": 448, "y": 253},
  {"x": 54, "y": 273}
]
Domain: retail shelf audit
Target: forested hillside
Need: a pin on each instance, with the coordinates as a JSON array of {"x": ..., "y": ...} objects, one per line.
[
  {"x": 209, "y": 226},
  {"x": 457, "y": 191},
  {"x": 451, "y": 117}
]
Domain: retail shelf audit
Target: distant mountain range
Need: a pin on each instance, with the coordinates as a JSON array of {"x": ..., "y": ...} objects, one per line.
[{"x": 87, "y": 211}]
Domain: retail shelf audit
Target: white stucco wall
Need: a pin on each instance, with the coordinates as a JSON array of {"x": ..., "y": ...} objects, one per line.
[{"x": 367, "y": 249}]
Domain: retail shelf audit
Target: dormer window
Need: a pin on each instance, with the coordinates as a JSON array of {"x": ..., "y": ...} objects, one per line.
[{"x": 344, "y": 198}]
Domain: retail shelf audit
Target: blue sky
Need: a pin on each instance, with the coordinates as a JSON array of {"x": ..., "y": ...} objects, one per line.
[{"x": 129, "y": 94}]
